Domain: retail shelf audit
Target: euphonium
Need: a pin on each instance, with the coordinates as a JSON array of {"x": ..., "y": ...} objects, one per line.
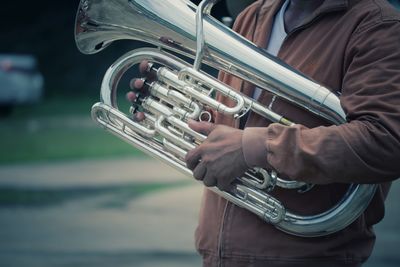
[{"x": 182, "y": 91}]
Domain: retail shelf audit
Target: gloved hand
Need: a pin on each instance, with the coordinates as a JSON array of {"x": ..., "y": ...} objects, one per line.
[{"x": 219, "y": 159}]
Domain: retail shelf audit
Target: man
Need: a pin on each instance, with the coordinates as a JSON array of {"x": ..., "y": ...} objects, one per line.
[{"x": 350, "y": 46}]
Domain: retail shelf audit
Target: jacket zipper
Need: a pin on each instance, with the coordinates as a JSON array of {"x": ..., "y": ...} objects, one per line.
[{"x": 223, "y": 219}]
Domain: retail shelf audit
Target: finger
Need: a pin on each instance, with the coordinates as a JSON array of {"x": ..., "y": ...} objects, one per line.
[
  {"x": 131, "y": 96},
  {"x": 144, "y": 67},
  {"x": 223, "y": 186},
  {"x": 199, "y": 172},
  {"x": 193, "y": 158},
  {"x": 139, "y": 116},
  {"x": 147, "y": 69},
  {"x": 201, "y": 126},
  {"x": 209, "y": 181},
  {"x": 136, "y": 83}
]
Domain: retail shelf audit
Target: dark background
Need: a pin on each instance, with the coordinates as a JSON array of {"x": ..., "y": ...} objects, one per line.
[{"x": 45, "y": 29}]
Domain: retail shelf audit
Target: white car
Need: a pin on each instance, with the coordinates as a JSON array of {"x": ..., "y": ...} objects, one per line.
[{"x": 20, "y": 81}]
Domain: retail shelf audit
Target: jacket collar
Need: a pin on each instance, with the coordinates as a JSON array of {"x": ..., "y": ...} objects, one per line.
[{"x": 268, "y": 9}]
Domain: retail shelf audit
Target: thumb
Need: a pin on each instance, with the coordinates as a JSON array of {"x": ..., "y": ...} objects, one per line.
[{"x": 202, "y": 127}]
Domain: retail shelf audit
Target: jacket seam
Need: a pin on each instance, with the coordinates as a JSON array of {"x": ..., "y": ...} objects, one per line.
[
  {"x": 367, "y": 27},
  {"x": 270, "y": 153},
  {"x": 377, "y": 21},
  {"x": 385, "y": 18},
  {"x": 220, "y": 235},
  {"x": 346, "y": 259}
]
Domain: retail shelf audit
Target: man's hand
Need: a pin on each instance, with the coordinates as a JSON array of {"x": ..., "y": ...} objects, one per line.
[
  {"x": 139, "y": 88},
  {"x": 219, "y": 159}
]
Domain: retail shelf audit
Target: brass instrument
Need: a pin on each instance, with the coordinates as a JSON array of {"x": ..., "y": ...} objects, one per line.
[{"x": 182, "y": 91}]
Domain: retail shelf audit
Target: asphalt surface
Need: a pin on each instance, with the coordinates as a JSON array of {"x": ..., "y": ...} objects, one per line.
[{"x": 87, "y": 213}]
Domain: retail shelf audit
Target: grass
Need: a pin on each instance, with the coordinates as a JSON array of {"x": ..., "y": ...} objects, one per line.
[
  {"x": 113, "y": 196},
  {"x": 59, "y": 106},
  {"x": 58, "y": 129},
  {"x": 60, "y": 144}
]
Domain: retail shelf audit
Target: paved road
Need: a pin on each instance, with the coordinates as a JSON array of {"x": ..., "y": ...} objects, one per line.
[
  {"x": 107, "y": 227},
  {"x": 114, "y": 227}
]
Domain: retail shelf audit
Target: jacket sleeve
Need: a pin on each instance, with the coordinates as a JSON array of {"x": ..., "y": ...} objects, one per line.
[{"x": 366, "y": 149}]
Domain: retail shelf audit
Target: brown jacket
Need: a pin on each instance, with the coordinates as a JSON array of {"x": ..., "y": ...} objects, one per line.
[{"x": 352, "y": 47}]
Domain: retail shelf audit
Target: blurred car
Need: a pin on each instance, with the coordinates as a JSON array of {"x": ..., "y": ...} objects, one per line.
[{"x": 20, "y": 81}]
